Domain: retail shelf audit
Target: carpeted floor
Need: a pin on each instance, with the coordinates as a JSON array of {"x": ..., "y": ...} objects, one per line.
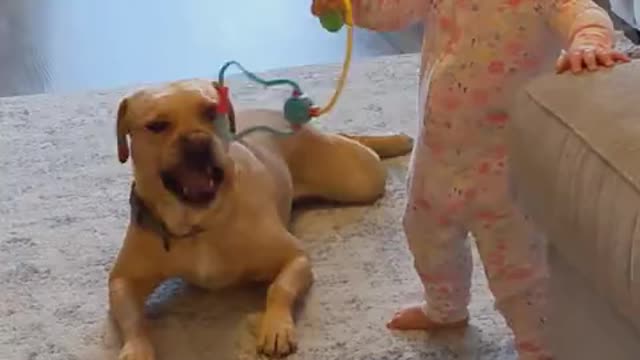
[{"x": 63, "y": 210}]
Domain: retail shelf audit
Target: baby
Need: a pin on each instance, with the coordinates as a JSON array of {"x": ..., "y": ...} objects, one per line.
[{"x": 476, "y": 55}]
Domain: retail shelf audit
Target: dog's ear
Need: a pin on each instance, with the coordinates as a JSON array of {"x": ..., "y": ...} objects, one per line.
[{"x": 122, "y": 130}]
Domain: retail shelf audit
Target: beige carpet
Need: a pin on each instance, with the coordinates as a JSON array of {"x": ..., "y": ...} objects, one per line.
[{"x": 63, "y": 210}]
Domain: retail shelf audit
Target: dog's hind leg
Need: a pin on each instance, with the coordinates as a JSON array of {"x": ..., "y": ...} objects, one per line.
[
  {"x": 344, "y": 169},
  {"x": 386, "y": 146}
]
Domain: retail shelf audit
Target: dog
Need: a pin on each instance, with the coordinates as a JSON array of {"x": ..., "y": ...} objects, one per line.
[{"x": 216, "y": 212}]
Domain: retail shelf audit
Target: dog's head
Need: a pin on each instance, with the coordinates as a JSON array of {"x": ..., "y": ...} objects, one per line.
[{"x": 174, "y": 145}]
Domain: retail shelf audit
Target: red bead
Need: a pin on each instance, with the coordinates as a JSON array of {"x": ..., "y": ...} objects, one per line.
[{"x": 223, "y": 99}]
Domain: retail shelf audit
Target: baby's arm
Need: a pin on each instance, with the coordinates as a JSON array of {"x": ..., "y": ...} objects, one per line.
[
  {"x": 588, "y": 33},
  {"x": 581, "y": 22},
  {"x": 387, "y": 15}
]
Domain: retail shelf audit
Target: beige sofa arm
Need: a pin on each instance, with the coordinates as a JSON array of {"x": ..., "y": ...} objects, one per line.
[{"x": 576, "y": 164}]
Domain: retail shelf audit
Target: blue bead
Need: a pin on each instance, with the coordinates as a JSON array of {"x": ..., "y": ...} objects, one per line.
[{"x": 297, "y": 110}]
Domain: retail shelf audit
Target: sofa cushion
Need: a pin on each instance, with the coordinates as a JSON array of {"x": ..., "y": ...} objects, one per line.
[{"x": 576, "y": 165}]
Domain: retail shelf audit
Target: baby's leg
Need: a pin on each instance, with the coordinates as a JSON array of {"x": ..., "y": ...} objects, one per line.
[
  {"x": 513, "y": 254},
  {"x": 442, "y": 258}
]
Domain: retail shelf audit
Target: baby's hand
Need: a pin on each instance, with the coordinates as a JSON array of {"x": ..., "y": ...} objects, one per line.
[
  {"x": 321, "y": 7},
  {"x": 588, "y": 57}
]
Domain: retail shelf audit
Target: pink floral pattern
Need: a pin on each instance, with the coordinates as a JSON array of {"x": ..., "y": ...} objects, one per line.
[{"x": 459, "y": 176}]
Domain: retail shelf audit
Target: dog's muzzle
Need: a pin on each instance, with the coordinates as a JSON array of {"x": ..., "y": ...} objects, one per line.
[{"x": 196, "y": 178}]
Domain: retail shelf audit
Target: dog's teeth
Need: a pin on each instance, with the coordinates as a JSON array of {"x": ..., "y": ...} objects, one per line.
[
  {"x": 185, "y": 190},
  {"x": 211, "y": 183}
]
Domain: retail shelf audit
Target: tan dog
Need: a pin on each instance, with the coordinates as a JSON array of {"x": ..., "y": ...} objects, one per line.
[{"x": 216, "y": 213}]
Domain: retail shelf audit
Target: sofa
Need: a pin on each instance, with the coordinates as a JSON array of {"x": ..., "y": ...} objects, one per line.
[{"x": 576, "y": 167}]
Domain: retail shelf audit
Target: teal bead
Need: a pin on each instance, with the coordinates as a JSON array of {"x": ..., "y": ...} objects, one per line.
[
  {"x": 332, "y": 21},
  {"x": 297, "y": 110}
]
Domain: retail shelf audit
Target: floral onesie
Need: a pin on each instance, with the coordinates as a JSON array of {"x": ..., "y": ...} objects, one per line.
[{"x": 476, "y": 54}]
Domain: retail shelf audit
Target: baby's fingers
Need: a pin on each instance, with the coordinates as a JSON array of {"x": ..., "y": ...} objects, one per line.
[
  {"x": 562, "y": 64},
  {"x": 610, "y": 58},
  {"x": 620, "y": 57},
  {"x": 576, "y": 58},
  {"x": 320, "y": 7},
  {"x": 590, "y": 60},
  {"x": 570, "y": 61},
  {"x": 604, "y": 58}
]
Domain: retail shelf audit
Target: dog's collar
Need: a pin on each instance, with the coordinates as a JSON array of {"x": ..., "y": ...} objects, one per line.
[{"x": 144, "y": 217}]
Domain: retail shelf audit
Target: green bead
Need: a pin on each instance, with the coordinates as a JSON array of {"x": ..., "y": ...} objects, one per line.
[
  {"x": 297, "y": 110},
  {"x": 332, "y": 21}
]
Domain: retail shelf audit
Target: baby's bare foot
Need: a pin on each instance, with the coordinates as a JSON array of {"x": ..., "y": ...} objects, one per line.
[{"x": 413, "y": 318}]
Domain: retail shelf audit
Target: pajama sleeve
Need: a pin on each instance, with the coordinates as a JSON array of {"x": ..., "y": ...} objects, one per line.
[
  {"x": 581, "y": 23},
  {"x": 387, "y": 15}
]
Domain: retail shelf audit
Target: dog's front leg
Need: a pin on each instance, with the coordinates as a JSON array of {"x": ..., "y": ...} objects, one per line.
[
  {"x": 126, "y": 299},
  {"x": 277, "y": 331},
  {"x": 136, "y": 272}
]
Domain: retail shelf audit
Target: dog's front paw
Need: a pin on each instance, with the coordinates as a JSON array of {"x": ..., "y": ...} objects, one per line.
[
  {"x": 137, "y": 350},
  {"x": 277, "y": 335}
]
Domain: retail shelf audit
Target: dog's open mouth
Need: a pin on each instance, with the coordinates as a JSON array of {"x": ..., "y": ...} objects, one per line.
[{"x": 195, "y": 186}]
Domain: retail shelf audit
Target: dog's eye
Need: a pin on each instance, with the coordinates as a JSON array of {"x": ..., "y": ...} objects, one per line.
[
  {"x": 157, "y": 126},
  {"x": 210, "y": 112}
]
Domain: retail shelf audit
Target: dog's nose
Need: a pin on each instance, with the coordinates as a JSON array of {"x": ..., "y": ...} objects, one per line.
[{"x": 197, "y": 146}]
